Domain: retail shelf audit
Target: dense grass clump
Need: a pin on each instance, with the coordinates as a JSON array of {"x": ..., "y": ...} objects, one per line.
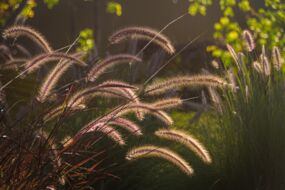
[{"x": 252, "y": 124}]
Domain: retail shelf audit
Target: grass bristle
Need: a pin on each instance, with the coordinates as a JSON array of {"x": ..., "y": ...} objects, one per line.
[
  {"x": 154, "y": 151},
  {"x": 143, "y": 33},
  {"x": 186, "y": 139}
]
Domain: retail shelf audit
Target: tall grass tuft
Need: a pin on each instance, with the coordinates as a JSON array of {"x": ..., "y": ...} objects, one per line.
[{"x": 252, "y": 128}]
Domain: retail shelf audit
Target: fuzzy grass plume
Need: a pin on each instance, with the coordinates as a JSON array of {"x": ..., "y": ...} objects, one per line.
[
  {"x": 234, "y": 55},
  {"x": 82, "y": 95},
  {"x": 276, "y": 58},
  {"x": 108, "y": 131},
  {"x": 38, "y": 38},
  {"x": 249, "y": 41},
  {"x": 108, "y": 62},
  {"x": 143, "y": 33},
  {"x": 148, "y": 109},
  {"x": 39, "y": 60},
  {"x": 265, "y": 64},
  {"x": 167, "y": 103},
  {"x": 52, "y": 79},
  {"x": 186, "y": 139},
  {"x": 161, "y": 87},
  {"x": 166, "y": 154},
  {"x": 128, "y": 125}
]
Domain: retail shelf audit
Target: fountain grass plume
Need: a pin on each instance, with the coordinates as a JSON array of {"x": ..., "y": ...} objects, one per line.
[
  {"x": 249, "y": 41},
  {"x": 142, "y": 33},
  {"x": 38, "y": 38},
  {"x": 53, "y": 77},
  {"x": 266, "y": 67},
  {"x": 160, "y": 87},
  {"x": 167, "y": 103},
  {"x": 276, "y": 58},
  {"x": 128, "y": 125},
  {"x": 39, "y": 60},
  {"x": 108, "y": 62},
  {"x": 148, "y": 109},
  {"x": 186, "y": 139},
  {"x": 166, "y": 154},
  {"x": 82, "y": 95}
]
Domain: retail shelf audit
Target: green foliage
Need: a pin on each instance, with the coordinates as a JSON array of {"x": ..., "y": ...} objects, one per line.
[
  {"x": 86, "y": 40},
  {"x": 114, "y": 8},
  {"x": 51, "y": 3},
  {"x": 198, "y": 7},
  {"x": 265, "y": 22},
  {"x": 7, "y": 7}
]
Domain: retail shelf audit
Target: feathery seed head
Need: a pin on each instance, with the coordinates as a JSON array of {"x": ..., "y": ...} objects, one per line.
[
  {"x": 183, "y": 81},
  {"x": 186, "y": 139},
  {"x": 276, "y": 58},
  {"x": 16, "y": 31},
  {"x": 154, "y": 151},
  {"x": 108, "y": 62},
  {"x": 249, "y": 41},
  {"x": 142, "y": 33},
  {"x": 39, "y": 60},
  {"x": 167, "y": 103}
]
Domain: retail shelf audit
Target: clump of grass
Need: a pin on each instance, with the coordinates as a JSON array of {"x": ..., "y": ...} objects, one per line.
[
  {"x": 251, "y": 124},
  {"x": 32, "y": 160}
]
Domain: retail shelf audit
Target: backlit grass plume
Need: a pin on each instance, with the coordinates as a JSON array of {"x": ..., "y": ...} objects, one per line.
[
  {"x": 142, "y": 33},
  {"x": 266, "y": 66},
  {"x": 186, "y": 139},
  {"x": 38, "y": 38},
  {"x": 105, "y": 129},
  {"x": 39, "y": 60},
  {"x": 257, "y": 67},
  {"x": 276, "y": 58},
  {"x": 108, "y": 62},
  {"x": 162, "y": 86},
  {"x": 82, "y": 95},
  {"x": 249, "y": 41},
  {"x": 75, "y": 161},
  {"x": 52, "y": 79},
  {"x": 167, "y": 103},
  {"x": 166, "y": 154},
  {"x": 234, "y": 55},
  {"x": 127, "y": 124},
  {"x": 148, "y": 109}
]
